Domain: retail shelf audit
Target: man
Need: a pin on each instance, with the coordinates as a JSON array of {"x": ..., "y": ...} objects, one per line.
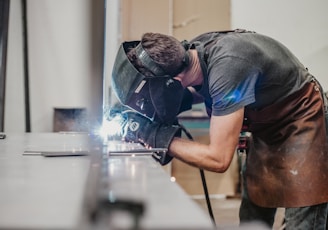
[{"x": 245, "y": 79}]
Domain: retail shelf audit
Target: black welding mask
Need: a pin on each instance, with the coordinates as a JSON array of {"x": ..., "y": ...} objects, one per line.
[{"x": 158, "y": 97}]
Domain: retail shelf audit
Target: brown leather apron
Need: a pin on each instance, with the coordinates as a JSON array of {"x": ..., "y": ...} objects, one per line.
[{"x": 287, "y": 165}]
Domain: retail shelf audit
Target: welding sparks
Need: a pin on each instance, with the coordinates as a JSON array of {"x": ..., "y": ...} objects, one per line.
[{"x": 111, "y": 128}]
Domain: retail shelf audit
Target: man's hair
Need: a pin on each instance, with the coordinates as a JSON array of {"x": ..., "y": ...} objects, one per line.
[{"x": 165, "y": 50}]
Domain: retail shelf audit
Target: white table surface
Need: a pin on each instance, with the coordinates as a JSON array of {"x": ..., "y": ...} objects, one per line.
[{"x": 38, "y": 192}]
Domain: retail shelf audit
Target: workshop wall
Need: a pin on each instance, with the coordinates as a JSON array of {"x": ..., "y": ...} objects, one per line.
[
  {"x": 299, "y": 24},
  {"x": 66, "y": 48},
  {"x": 14, "y": 120},
  {"x": 65, "y": 54}
]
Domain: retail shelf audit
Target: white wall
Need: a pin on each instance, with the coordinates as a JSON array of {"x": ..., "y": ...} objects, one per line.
[
  {"x": 14, "y": 100},
  {"x": 301, "y": 25},
  {"x": 65, "y": 42},
  {"x": 113, "y": 39},
  {"x": 66, "y": 50}
]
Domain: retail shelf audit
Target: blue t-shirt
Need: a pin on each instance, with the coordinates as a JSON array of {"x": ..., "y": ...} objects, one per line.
[{"x": 246, "y": 69}]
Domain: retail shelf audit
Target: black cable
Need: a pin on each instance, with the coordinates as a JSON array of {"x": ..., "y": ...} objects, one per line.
[
  {"x": 202, "y": 175},
  {"x": 210, "y": 211},
  {"x": 26, "y": 69}
]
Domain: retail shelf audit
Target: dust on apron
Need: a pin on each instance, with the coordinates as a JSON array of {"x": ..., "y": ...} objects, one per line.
[{"x": 287, "y": 165}]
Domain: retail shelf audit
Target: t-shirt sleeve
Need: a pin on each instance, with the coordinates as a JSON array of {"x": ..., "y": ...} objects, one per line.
[{"x": 232, "y": 83}]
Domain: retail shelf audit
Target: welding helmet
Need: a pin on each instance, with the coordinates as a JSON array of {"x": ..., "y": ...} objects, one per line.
[{"x": 157, "y": 97}]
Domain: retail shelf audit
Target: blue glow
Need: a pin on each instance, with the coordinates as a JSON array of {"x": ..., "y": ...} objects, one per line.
[{"x": 235, "y": 96}]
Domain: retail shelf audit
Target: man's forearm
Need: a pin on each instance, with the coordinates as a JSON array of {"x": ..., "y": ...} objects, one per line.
[{"x": 199, "y": 155}]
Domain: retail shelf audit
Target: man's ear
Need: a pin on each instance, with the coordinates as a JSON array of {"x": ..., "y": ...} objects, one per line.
[{"x": 181, "y": 77}]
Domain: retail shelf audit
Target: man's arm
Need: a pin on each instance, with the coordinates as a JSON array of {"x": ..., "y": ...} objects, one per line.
[{"x": 216, "y": 156}]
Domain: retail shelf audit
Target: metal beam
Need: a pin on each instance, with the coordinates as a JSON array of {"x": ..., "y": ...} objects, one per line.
[
  {"x": 4, "y": 22},
  {"x": 26, "y": 69}
]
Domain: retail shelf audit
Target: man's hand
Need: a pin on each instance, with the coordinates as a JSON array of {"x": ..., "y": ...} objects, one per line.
[{"x": 138, "y": 128}]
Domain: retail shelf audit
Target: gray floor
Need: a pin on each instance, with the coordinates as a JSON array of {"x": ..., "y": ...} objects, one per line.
[{"x": 225, "y": 211}]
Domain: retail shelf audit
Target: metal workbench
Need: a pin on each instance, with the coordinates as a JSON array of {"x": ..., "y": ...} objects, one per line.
[{"x": 38, "y": 192}]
